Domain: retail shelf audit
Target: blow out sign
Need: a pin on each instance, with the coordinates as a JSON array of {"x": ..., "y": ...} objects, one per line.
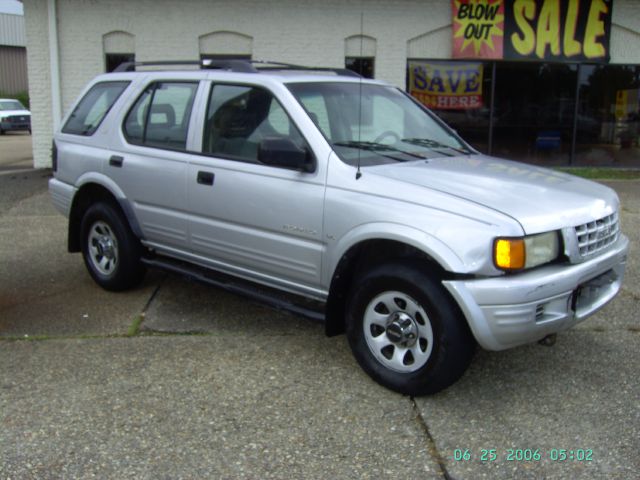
[
  {"x": 446, "y": 85},
  {"x": 478, "y": 28},
  {"x": 540, "y": 30}
]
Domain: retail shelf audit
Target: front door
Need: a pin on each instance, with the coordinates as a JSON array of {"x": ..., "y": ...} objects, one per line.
[{"x": 258, "y": 221}]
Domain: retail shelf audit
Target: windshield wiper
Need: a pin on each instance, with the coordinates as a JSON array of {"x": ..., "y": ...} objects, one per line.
[
  {"x": 378, "y": 148},
  {"x": 435, "y": 145}
]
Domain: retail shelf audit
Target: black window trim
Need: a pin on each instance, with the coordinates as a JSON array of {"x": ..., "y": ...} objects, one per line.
[
  {"x": 153, "y": 84},
  {"x": 126, "y": 84}
]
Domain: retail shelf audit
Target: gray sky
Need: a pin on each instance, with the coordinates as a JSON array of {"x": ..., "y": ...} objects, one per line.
[{"x": 11, "y": 6}]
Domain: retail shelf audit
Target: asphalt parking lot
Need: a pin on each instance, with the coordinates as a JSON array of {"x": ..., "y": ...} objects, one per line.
[
  {"x": 15, "y": 151},
  {"x": 180, "y": 380}
]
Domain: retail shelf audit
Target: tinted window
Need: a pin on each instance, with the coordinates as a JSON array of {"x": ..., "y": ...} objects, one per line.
[
  {"x": 160, "y": 116},
  {"x": 87, "y": 116},
  {"x": 361, "y": 65},
  {"x": 240, "y": 117},
  {"x": 113, "y": 60}
]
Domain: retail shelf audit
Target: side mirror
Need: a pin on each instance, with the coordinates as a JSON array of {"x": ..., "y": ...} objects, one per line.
[{"x": 283, "y": 152}]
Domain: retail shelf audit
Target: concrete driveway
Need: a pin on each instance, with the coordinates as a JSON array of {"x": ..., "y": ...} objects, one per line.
[
  {"x": 15, "y": 151},
  {"x": 180, "y": 380}
]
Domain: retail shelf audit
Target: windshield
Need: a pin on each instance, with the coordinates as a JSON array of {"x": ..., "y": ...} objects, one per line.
[
  {"x": 11, "y": 105},
  {"x": 375, "y": 124}
]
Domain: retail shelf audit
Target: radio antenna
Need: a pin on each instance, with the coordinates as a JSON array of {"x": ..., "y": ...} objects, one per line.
[{"x": 358, "y": 172}]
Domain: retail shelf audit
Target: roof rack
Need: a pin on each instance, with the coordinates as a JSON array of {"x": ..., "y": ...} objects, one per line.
[{"x": 234, "y": 65}]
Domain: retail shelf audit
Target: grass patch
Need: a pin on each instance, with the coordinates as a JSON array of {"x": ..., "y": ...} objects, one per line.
[
  {"x": 134, "y": 328},
  {"x": 598, "y": 173}
]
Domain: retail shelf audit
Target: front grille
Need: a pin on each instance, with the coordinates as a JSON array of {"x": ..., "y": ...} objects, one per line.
[
  {"x": 596, "y": 236},
  {"x": 18, "y": 119}
]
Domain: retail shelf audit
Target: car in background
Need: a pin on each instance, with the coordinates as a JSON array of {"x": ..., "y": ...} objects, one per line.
[{"x": 13, "y": 116}]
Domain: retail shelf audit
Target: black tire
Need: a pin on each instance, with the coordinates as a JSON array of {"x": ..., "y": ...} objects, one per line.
[
  {"x": 110, "y": 250},
  {"x": 443, "y": 343}
]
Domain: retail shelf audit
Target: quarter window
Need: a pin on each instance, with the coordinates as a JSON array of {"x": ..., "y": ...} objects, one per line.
[
  {"x": 94, "y": 106},
  {"x": 160, "y": 116},
  {"x": 240, "y": 117}
]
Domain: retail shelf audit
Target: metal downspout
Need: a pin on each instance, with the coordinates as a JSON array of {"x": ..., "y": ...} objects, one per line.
[{"x": 54, "y": 65}]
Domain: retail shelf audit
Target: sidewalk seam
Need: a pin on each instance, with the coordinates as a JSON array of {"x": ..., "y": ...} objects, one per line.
[
  {"x": 137, "y": 325},
  {"x": 431, "y": 443}
]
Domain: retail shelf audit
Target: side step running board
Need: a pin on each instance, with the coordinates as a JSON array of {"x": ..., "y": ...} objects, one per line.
[{"x": 264, "y": 295}]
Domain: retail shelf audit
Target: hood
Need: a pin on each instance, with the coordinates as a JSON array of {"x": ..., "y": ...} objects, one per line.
[
  {"x": 539, "y": 199},
  {"x": 9, "y": 113}
]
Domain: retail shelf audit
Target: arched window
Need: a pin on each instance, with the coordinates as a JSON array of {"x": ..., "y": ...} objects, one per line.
[
  {"x": 360, "y": 54},
  {"x": 118, "y": 47}
]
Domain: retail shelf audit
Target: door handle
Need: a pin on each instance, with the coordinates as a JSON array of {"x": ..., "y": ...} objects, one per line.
[
  {"x": 116, "y": 161},
  {"x": 205, "y": 178}
]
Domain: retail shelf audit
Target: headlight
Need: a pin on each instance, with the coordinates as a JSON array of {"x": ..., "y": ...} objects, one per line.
[{"x": 525, "y": 252}]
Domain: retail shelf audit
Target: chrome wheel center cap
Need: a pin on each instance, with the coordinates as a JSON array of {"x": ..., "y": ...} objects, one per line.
[
  {"x": 105, "y": 247},
  {"x": 402, "y": 330}
]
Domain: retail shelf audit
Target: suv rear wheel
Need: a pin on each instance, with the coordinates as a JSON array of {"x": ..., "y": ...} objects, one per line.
[
  {"x": 110, "y": 249},
  {"x": 405, "y": 330}
]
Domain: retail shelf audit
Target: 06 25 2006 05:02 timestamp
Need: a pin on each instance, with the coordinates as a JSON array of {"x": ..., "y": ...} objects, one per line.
[{"x": 523, "y": 455}]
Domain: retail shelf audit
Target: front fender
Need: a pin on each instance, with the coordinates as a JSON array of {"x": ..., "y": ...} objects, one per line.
[{"x": 414, "y": 237}]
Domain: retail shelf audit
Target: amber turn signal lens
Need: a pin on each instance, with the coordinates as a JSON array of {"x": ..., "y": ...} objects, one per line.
[{"x": 509, "y": 253}]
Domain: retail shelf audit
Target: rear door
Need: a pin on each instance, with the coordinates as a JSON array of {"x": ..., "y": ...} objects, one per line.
[{"x": 152, "y": 164}]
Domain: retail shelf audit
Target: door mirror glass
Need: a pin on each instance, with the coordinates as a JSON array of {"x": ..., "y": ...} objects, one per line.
[{"x": 283, "y": 152}]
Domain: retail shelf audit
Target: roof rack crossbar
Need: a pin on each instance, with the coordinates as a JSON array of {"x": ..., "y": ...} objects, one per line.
[
  {"x": 230, "y": 64},
  {"x": 289, "y": 66},
  {"x": 235, "y": 65}
]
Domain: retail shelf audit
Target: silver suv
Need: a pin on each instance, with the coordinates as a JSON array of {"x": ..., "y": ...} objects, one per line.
[{"x": 338, "y": 198}]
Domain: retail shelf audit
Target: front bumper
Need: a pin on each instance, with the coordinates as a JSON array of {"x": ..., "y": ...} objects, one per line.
[
  {"x": 512, "y": 310},
  {"x": 15, "y": 126}
]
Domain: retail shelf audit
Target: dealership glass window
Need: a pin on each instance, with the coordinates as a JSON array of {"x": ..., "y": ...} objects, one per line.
[
  {"x": 459, "y": 92},
  {"x": 113, "y": 60},
  {"x": 361, "y": 65},
  {"x": 533, "y": 112},
  {"x": 608, "y": 126}
]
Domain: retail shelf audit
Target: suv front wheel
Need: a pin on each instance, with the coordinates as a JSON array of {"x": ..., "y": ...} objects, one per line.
[
  {"x": 405, "y": 330},
  {"x": 110, "y": 249}
]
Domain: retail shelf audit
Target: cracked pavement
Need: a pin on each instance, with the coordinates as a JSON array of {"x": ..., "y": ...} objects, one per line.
[{"x": 181, "y": 380}]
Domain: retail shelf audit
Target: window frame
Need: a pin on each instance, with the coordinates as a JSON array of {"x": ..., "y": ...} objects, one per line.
[
  {"x": 234, "y": 158},
  {"x": 64, "y": 128},
  {"x": 153, "y": 84}
]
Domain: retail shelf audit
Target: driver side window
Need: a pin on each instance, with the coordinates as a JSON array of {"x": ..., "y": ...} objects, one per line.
[{"x": 240, "y": 117}]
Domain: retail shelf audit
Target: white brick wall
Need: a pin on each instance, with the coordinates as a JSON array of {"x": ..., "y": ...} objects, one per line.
[
  {"x": 39, "y": 81},
  {"x": 295, "y": 31}
]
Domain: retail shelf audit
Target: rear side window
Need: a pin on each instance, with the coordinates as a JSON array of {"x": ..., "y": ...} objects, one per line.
[
  {"x": 160, "y": 116},
  {"x": 94, "y": 106}
]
